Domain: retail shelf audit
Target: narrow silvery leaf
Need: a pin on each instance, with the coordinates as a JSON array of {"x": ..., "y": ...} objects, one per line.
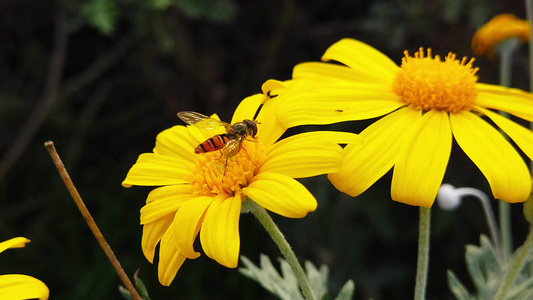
[
  {"x": 346, "y": 293},
  {"x": 458, "y": 289},
  {"x": 318, "y": 279}
]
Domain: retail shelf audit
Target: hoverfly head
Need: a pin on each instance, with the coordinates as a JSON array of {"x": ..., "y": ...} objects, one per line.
[{"x": 252, "y": 127}]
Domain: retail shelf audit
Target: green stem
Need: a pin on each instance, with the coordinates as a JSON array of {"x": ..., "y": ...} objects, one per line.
[
  {"x": 516, "y": 265},
  {"x": 506, "y": 50},
  {"x": 505, "y": 229},
  {"x": 264, "y": 218},
  {"x": 423, "y": 254}
]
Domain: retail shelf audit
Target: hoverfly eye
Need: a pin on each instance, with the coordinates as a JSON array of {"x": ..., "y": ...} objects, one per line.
[{"x": 252, "y": 126}]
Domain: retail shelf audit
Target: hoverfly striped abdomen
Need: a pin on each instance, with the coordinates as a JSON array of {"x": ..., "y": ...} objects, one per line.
[{"x": 213, "y": 144}]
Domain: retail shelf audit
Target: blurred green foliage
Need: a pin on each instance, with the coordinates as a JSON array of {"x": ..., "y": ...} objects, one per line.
[
  {"x": 285, "y": 285},
  {"x": 102, "y": 77},
  {"x": 487, "y": 273}
]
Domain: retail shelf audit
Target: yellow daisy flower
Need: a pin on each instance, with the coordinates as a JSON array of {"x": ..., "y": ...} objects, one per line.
[
  {"x": 202, "y": 193},
  {"x": 422, "y": 104},
  {"x": 498, "y": 29},
  {"x": 18, "y": 286}
]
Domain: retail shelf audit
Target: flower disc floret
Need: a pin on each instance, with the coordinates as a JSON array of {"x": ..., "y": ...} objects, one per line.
[
  {"x": 429, "y": 83},
  {"x": 213, "y": 174}
]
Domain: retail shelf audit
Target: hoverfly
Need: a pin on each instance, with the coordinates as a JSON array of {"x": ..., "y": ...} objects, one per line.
[{"x": 228, "y": 143}]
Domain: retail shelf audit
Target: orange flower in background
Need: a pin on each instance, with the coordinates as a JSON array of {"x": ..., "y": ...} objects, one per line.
[
  {"x": 202, "y": 193},
  {"x": 497, "y": 30},
  {"x": 420, "y": 108}
]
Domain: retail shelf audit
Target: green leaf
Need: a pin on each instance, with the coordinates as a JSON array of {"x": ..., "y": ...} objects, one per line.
[
  {"x": 124, "y": 292},
  {"x": 161, "y": 4},
  {"x": 458, "y": 289},
  {"x": 212, "y": 10},
  {"x": 487, "y": 273},
  {"x": 317, "y": 279},
  {"x": 523, "y": 290},
  {"x": 139, "y": 285},
  {"x": 483, "y": 267},
  {"x": 285, "y": 286},
  {"x": 346, "y": 293},
  {"x": 101, "y": 14}
]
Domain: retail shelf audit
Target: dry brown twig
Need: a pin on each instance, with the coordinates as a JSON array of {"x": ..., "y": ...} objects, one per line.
[{"x": 89, "y": 219}]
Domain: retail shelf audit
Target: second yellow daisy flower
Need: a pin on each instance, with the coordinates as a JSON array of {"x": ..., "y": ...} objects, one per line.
[{"x": 422, "y": 105}]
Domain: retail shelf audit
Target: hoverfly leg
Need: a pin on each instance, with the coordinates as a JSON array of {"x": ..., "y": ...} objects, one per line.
[
  {"x": 221, "y": 154},
  {"x": 252, "y": 139},
  {"x": 225, "y": 167},
  {"x": 225, "y": 164}
]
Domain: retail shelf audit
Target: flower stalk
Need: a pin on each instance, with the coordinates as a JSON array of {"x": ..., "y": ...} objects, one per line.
[
  {"x": 506, "y": 50},
  {"x": 89, "y": 219},
  {"x": 423, "y": 254},
  {"x": 277, "y": 236},
  {"x": 505, "y": 229}
]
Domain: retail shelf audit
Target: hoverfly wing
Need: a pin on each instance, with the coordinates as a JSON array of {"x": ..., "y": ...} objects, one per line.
[
  {"x": 232, "y": 147},
  {"x": 201, "y": 121}
]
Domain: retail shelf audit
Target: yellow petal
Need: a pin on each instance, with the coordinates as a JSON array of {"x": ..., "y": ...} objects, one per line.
[
  {"x": 187, "y": 223},
  {"x": 324, "y": 71},
  {"x": 522, "y": 136},
  {"x": 422, "y": 163},
  {"x": 307, "y": 138},
  {"x": 363, "y": 59},
  {"x": 247, "y": 108},
  {"x": 152, "y": 234},
  {"x": 269, "y": 130},
  {"x": 16, "y": 286},
  {"x": 332, "y": 104},
  {"x": 170, "y": 259},
  {"x": 153, "y": 170},
  {"x": 220, "y": 231},
  {"x": 177, "y": 142},
  {"x": 308, "y": 154},
  {"x": 315, "y": 160},
  {"x": 208, "y": 234},
  {"x": 506, "y": 172},
  {"x": 365, "y": 164},
  {"x": 513, "y": 101},
  {"x": 18, "y": 242},
  {"x": 272, "y": 88},
  {"x": 164, "y": 200},
  {"x": 281, "y": 194}
]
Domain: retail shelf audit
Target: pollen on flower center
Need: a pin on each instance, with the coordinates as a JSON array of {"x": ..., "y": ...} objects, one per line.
[
  {"x": 429, "y": 83},
  {"x": 213, "y": 174}
]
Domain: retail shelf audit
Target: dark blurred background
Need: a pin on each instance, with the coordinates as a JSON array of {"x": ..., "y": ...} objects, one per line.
[{"x": 102, "y": 77}]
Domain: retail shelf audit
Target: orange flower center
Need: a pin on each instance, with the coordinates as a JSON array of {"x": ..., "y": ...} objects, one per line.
[
  {"x": 428, "y": 83},
  {"x": 216, "y": 174}
]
